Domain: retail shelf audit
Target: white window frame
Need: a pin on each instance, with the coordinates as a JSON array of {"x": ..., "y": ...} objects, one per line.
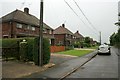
[
  {"x": 33, "y": 28},
  {"x": 19, "y": 25}
]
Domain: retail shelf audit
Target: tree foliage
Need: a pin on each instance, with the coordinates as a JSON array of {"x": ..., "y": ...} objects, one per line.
[{"x": 115, "y": 39}]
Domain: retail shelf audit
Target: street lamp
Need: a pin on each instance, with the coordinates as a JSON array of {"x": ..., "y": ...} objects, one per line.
[{"x": 40, "y": 60}]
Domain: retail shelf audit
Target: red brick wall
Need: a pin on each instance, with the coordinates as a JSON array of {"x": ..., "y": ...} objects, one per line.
[
  {"x": 18, "y": 32},
  {"x": 6, "y": 29},
  {"x": 54, "y": 49},
  {"x": 58, "y": 38},
  {"x": 27, "y": 32}
]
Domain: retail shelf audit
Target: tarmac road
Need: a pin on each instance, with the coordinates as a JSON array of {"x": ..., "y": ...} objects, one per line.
[{"x": 102, "y": 66}]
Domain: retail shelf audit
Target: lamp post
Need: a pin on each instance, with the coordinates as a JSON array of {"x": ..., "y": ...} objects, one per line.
[{"x": 40, "y": 60}]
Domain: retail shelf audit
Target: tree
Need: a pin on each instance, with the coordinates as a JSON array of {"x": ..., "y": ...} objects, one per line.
[
  {"x": 112, "y": 39},
  {"x": 115, "y": 39},
  {"x": 87, "y": 42}
]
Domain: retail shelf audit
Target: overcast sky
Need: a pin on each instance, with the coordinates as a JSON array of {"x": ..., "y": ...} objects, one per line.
[{"x": 101, "y": 13}]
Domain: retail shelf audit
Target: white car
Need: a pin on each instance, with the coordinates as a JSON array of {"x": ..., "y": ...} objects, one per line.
[{"x": 104, "y": 49}]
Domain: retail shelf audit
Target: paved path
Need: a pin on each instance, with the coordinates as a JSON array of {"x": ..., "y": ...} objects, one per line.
[
  {"x": 62, "y": 69},
  {"x": 60, "y": 58},
  {"x": 15, "y": 69}
]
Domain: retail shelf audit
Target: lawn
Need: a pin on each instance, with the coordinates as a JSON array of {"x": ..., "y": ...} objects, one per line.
[{"x": 76, "y": 52}]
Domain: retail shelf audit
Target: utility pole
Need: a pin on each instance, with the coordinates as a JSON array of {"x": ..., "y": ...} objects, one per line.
[
  {"x": 40, "y": 62},
  {"x": 100, "y": 37}
]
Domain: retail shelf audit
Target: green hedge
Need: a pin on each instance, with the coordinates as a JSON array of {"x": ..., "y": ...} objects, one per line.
[
  {"x": 27, "y": 52},
  {"x": 10, "y": 48},
  {"x": 46, "y": 51}
]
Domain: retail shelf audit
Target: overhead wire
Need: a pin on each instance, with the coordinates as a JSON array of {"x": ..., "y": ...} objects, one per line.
[
  {"x": 85, "y": 16},
  {"x": 77, "y": 14}
]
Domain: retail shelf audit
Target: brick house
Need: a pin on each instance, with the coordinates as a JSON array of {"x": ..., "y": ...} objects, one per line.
[
  {"x": 22, "y": 24},
  {"x": 63, "y": 36},
  {"x": 78, "y": 37}
]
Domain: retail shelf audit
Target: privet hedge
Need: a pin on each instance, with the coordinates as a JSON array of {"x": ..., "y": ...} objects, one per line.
[
  {"x": 14, "y": 48},
  {"x": 46, "y": 50}
]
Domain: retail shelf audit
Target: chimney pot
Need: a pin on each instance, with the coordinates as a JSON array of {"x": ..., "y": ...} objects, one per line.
[
  {"x": 26, "y": 10},
  {"x": 63, "y": 25},
  {"x": 77, "y": 31}
]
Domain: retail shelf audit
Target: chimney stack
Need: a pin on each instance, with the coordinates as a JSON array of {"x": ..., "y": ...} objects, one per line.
[
  {"x": 77, "y": 31},
  {"x": 26, "y": 10},
  {"x": 63, "y": 25}
]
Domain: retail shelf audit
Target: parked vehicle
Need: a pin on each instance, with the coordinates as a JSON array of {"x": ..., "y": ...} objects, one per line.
[{"x": 104, "y": 49}]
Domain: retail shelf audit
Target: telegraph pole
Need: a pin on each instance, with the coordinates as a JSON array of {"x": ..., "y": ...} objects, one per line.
[
  {"x": 100, "y": 37},
  {"x": 40, "y": 60}
]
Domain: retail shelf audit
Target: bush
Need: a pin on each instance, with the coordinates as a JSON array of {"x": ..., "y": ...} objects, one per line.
[
  {"x": 76, "y": 44},
  {"x": 10, "y": 48},
  {"x": 69, "y": 47},
  {"x": 86, "y": 45},
  {"x": 28, "y": 51},
  {"x": 46, "y": 51},
  {"x": 23, "y": 51}
]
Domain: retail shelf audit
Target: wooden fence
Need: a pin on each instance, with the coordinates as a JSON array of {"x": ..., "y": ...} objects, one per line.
[{"x": 54, "y": 49}]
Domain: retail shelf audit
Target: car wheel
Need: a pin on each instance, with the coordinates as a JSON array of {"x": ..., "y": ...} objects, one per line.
[{"x": 109, "y": 53}]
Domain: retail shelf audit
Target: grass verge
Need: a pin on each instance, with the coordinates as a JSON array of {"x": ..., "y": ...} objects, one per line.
[{"x": 76, "y": 52}]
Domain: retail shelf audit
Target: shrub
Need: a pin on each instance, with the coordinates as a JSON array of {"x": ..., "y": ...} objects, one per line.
[
  {"x": 24, "y": 51},
  {"x": 46, "y": 51},
  {"x": 10, "y": 48},
  {"x": 69, "y": 47},
  {"x": 28, "y": 51}
]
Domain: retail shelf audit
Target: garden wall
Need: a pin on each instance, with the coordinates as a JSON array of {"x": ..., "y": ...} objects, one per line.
[{"x": 54, "y": 49}]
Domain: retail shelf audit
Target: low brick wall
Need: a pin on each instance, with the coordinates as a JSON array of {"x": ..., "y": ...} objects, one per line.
[{"x": 54, "y": 49}]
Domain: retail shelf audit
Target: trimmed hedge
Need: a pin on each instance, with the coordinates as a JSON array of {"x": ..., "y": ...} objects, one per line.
[
  {"x": 29, "y": 52},
  {"x": 46, "y": 51},
  {"x": 10, "y": 48}
]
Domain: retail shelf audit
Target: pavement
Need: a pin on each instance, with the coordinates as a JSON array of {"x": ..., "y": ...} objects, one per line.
[
  {"x": 16, "y": 69},
  {"x": 63, "y": 69},
  {"x": 59, "y": 66}
]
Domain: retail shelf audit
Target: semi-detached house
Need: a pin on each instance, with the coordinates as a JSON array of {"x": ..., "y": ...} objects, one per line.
[
  {"x": 63, "y": 36},
  {"x": 22, "y": 24}
]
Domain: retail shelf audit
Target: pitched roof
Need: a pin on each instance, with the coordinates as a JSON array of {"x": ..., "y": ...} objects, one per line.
[
  {"x": 78, "y": 35},
  {"x": 22, "y": 17},
  {"x": 62, "y": 30}
]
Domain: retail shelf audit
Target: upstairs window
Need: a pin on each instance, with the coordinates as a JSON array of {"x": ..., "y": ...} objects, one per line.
[
  {"x": 50, "y": 32},
  {"x": 33, "y": 28},
  {"x": 44, "y": 30},
  {"x": 19, "y": 25}
]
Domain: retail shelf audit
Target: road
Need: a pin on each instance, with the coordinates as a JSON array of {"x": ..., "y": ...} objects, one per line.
[{"x": 102, "y": 66}]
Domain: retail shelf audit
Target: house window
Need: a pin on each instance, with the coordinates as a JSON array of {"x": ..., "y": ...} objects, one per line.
[
  {"x": 44, "y": 30},
  {"x": 25, "y": 26},
  {"x": 50, "y": 32},
  {"x": 29, "y": 27},
  {"x": 19, "y": 25},
  {"x": 5, "y": 36},
  {"x": 33, "y": 28},
  {"x": 66, "y": 35}
]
